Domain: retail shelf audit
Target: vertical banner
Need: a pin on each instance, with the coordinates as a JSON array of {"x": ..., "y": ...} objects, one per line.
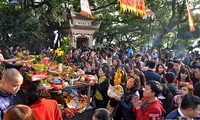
[
  {"x": 137, "y": 6},
  {"x": 85, "y": 8},
  {"x": 190, "y": 19}
]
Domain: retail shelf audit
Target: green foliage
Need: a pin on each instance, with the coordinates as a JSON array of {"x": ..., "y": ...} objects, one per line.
[{"x": 33, "y": 24}]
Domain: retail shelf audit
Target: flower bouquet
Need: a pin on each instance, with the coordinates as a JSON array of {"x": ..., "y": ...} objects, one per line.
[{"x": 66, "y": 45}]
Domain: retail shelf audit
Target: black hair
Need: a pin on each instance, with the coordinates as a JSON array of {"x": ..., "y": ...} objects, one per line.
[
  {"x": 184, "y": 70},
  {"x": 102, "y": 114},
  {"x": 170, "y": 76},
  {"x": 190, "y": 101},
  {"x": 37, "y": 91},
  {"x": 155, "y": 87},
  {"x": 177, "y": 61},
  {"x": 151, "y": 64}
]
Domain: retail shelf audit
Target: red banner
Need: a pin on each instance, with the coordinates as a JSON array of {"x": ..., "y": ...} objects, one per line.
[
  {"x": 85, "y": 8},
  {"x": 190, "y": 19},
  {"x": 137, "y": 6}
]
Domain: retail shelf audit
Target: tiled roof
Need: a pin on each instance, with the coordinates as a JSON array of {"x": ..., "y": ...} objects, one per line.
[{"x": 82, "y": 17}]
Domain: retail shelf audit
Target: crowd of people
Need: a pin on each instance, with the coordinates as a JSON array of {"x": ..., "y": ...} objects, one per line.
[{"x": 156, "y": 85}]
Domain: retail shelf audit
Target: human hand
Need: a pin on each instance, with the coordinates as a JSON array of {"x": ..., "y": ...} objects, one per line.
[
  {"x": 117, "y": 98},
  {"x": 178, "y": 100},
  {"x": 136, "y": 102}
]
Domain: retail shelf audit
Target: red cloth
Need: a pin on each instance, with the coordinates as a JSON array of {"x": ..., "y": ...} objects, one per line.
[
  {"x": 153, "y": 111},
  {"x": 46, "y": 109},
  {"x": 177, "y": 82}
]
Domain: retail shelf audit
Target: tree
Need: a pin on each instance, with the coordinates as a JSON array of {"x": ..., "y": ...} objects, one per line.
[{"x": 34, "y": 21}]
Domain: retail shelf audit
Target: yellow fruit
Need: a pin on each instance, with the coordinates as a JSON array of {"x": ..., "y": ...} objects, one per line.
[{"x": 18, "y": 63}]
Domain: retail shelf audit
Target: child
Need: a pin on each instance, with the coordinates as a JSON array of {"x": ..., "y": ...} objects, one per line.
[{"x": 9, "y": 86}]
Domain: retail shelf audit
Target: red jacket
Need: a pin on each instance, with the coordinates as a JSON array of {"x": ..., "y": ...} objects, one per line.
[
  {"x": 153, "y": 110},
  {"x": 46, "y": 109}
]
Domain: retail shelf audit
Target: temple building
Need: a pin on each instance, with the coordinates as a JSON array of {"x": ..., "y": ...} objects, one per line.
[{"x": 81, "y": 30}]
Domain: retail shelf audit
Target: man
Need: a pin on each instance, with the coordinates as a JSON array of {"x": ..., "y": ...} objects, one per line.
[
  {"x": 189, "y": 109},
  {"x": 176, "y": 67},
  {"x": 197, "y": 77},
  {"x": 9, "y": 86},
  {"x": 184, "y": 57},
  {"x": 197, "y": 72},
  {"x": 150, "y": 74},
  {"x": 150, "y": 107}
]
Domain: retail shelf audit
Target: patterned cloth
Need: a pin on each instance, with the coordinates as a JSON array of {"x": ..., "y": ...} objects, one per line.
[{"x": 6, "y": 100}]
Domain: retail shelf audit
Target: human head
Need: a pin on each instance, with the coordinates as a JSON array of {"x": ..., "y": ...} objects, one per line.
[
  {"x": 19, "y": 112},
  {"x": 101, "y": 114},
  {"x": 185, "y": 88},
  {"x": 116, "y": 62},
  {"x": 102, "y": 71},
  {"x": 197, "y": 72},
  {"x": 177, "y": 65},
  {"x": 152, "y": 89},
  {"x": 151, "y": 64},
  {"x": 133, "y": 83},
  {"x": 11, "y": 81},
  {"x": 184, "y": 74},
  {"x": 37, "y": 91},
  {"x": 191, "y": 104},
  {"x": 138, "y": 57},
  {"x": 160, "y": 68},
  {"x": 170, "y": 76}
]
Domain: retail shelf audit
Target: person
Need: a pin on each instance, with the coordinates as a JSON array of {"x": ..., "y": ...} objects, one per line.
[
  {"x": 166, "y": 98},
  {"x": 9, "y": 86},
  {"x": 170, "y": 76},
  {"x": 101, "y": 114},
  {"x": 19, "y": 112},
  {"x": 161, "y": 70},
  {"x": 7, "y": 63},
  {"x": 183, "y": 76},
  {"x": 185, "y": 88},
  {"x": 176, "y": 67},
  {"x": 197, "y": 84},
  {"x": 189, "y": 108},
  {"x": 43, "y": 107},
  {"x": 150, "y": 74},
  {"x": 124, "y": 109},
  {"x": 101, "y": 88},
  {"x": 150, "y": 107}
]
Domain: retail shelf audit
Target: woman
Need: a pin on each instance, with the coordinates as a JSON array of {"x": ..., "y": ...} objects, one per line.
[
  {"x": 161, "y": 70},
  {"x": 185, "y": 88},
  {"x": 101, "y": 97},
  {"x": 124, "y": 110},
  {"x": 43, "y": 107},
  {"x": 19, "y": 112},
  {"x": 166, "y": 97},
  {"x": 183, "y": 76}
]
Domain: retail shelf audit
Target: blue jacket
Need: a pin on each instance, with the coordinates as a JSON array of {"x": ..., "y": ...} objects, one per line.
[
  {"x": 125, "y": 106},
  {"x": 7, "y": 100},
  {"x": 173, "y": 115},
  {"x": 151, "y": 75}
]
